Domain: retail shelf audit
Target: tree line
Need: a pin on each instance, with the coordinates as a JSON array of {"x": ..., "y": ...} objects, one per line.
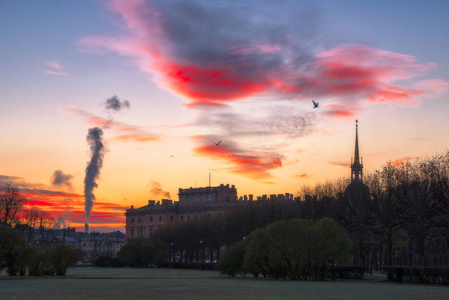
[{"x": 399, "y": 214}]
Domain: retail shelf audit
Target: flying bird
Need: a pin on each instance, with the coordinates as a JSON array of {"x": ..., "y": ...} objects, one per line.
[
  {"x": 315, "y": 104},
  {"x": 216, "y": 144},
  {"x": 172, "y": 156}
]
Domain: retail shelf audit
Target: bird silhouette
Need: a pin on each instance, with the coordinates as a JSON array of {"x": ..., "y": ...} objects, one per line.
[
  {"x": 315, "y": 104},
  {"x": 216, "y": 144}
]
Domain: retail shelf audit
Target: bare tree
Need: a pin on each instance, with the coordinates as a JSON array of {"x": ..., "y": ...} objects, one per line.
[{"x": 11, "y": 203}]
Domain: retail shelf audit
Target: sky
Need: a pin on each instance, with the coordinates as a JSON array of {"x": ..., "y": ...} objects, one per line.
[{"x": 108, "y": 104}]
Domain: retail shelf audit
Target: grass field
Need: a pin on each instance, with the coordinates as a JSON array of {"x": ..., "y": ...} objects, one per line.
[{"x": 126, "y": 283}]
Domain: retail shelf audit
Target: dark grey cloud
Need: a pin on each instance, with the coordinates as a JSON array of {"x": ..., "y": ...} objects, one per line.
[
  {"x": 230, "y": 33},
  {"x": 114, "y": 104},
  {"x": 59, "y": 179}
]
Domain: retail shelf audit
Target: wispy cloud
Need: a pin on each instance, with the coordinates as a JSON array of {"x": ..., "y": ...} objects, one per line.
[
  {"x": 339, "y": 163},
  {"x": 156, "y": 190},
  {"x": 252, "y": 145},
  {"x": 254, "y": 166},
  {"x": 54, "y": 68},
  {"x": 123, "y": 132}
]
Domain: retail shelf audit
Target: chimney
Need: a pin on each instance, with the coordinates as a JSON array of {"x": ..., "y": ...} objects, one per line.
[{"x": 86, "y": 228}]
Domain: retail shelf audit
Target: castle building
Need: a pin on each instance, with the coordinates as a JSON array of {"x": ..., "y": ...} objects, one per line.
[{"x": 193, "y": 204}]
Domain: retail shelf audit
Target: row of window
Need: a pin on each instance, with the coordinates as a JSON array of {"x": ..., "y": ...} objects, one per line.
[{"x": 171, "y": 218}]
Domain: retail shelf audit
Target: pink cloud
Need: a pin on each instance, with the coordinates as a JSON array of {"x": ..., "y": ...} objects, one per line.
[
  {"x": 267, "y": 48},
  {"x": 55, "y": 65},
  {"x": 55, "y": 68}
]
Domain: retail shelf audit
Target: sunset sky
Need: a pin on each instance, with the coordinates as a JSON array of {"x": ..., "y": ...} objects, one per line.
[{"x": 166, "y": 80}]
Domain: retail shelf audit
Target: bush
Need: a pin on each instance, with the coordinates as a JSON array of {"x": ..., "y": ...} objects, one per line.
[
  {"x": 231, "y": 263},
  {"x": 41, "y": 264},
  {"x": 61, "y": 257},
  {"x": 108, "y": 262},
  {"x": 15, "y": 253},
  {"x": 144, "y": 253},
  {"x": 349, "y": 272},
  {"x": 432, "y": 275},
  {"x": 296, "y": 249}
]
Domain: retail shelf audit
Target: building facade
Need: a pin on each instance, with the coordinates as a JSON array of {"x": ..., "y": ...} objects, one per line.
[{"x": 194, "y": 203}]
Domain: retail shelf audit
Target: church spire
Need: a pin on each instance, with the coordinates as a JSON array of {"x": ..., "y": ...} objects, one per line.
[{"x": 356, "y": 166}]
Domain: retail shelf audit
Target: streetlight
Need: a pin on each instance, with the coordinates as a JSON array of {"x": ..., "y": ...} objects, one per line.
[
  {"x": 173, "y": 254},
  {"x": 202, "y": 248}
]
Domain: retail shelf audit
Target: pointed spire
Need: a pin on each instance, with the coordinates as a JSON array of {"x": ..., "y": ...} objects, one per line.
[
  {"x": 356, "y": 151},
  {"x": 356, "y": 166}
]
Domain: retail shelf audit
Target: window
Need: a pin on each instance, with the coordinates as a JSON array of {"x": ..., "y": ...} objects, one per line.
[
  {"x": 138, "y": 220},
  {"x": 132, "y": 232},
  {"x": 182, "y": 218},
  {"x": 132, "y": 220},
  {"x": 171, "y": 218},
  {"x": 188, "y": 218},
  {"x": 160, "y": 218},
  {"x": 151, "y": 218}
]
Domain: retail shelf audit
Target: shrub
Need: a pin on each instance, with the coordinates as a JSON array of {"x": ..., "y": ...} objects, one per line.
[
  {"x": 295, "y": 249},
  {"x": 420, "y": 274},
  {"x": 15, "y": 253},
  {"x": 61, "y": 257},
  {"x": 108, "y": 262},
  {"x": 144, "y": 253},
  {"x": 231, "y": 263},
  {"x": 349, "y": 272}
]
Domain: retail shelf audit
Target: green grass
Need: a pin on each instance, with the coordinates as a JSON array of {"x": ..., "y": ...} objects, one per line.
[{"x": 126, "y": 283}]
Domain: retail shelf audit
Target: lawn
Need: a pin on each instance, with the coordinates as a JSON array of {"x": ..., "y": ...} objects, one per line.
[{"x": 126, "y": 283}]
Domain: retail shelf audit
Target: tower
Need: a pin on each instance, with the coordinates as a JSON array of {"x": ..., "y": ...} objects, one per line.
[{"x": 356, "y": 166}]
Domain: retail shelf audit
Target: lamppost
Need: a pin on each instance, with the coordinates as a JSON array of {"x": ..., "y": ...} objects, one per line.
[
  {"x": 202, "y": 249},
  {"x": 173, "y": 255}
]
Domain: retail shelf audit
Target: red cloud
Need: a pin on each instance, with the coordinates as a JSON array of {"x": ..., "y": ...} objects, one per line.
[
  {"x": 303, "y": 175},
  {"x": 255, "y": 167},
  {"x": 60, "y": 203},
  {"x": 203, "y": 84},
  {"x": 342, "y": 111},
  {"x": 138, "y": 137},
  {"x": 364, "y": 71}
]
